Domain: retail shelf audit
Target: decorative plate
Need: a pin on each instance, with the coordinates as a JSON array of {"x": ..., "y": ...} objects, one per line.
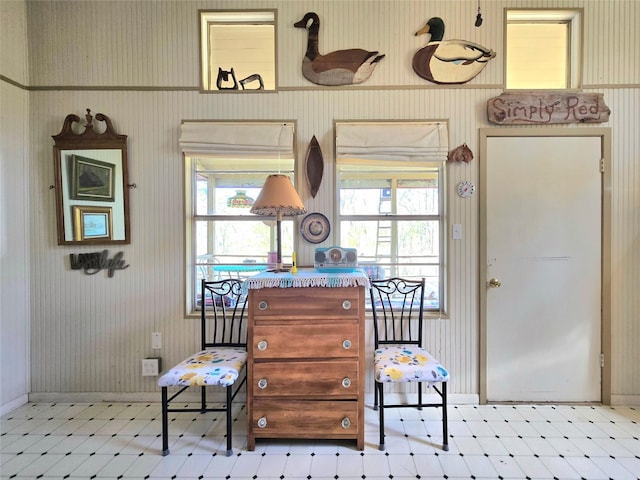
[{"x": 315, "y": 228}]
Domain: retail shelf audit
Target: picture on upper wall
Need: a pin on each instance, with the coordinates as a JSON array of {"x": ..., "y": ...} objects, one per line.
[
  {"x": 448, "y": 61},
  {"x": 340, "y": 67}
]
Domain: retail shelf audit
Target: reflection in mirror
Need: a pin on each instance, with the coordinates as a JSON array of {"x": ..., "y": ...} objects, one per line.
[
  {"x": 92, "y": 198},
  {"x": 238, "y": 49}
]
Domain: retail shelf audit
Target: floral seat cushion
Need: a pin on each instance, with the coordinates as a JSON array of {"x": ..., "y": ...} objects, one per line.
[
  {"x": 208, "y": 367},
  {"x": 407, "y": 363}
]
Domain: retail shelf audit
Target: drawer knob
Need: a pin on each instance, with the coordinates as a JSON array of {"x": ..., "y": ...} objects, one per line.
[
  {"x": 262, "y": 345},
  {"x": 263, "y": 305},
  {"x": 346, "y": 344},
  {"x": 346, "y": 423},
  {"x": 346, "y": 304},
  {"x": 262, "y": 383},
  {"x": 346, "y": 382},
  {"x": 262, "y": 422}
]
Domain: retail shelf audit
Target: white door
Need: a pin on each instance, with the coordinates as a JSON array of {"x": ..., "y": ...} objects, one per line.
[{"x": 543, "y": 250}]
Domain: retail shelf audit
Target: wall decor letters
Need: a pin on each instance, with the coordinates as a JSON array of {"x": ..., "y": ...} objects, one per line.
[
  {"x": 92, "y": 263},
  {"x": 547, "y": 108}
]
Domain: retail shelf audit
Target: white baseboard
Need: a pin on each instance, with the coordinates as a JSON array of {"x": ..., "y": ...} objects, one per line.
[
  {"x": 626, "y": 400},
  {"x": 154, "y": 397},
  {"x": 13, "y": 404}
]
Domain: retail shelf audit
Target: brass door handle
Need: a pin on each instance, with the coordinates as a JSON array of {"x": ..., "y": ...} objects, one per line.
[{"x": 495, "y": 283}]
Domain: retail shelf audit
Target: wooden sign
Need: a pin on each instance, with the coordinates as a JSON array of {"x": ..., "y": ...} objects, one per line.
[{"x": 533, "y": 108}]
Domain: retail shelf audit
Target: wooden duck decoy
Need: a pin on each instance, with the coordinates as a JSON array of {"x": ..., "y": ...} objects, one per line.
[
  {"x": 449, "y": 61},
  {"x": 341, "y": 67}
]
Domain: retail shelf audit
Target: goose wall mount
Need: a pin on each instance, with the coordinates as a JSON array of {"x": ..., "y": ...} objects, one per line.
[{"x": 340, "y": 67}]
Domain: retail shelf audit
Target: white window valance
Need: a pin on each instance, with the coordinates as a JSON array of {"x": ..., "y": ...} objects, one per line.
[
  {"x": 237, "y": 139},
  {"x": 396, "y": 141}
]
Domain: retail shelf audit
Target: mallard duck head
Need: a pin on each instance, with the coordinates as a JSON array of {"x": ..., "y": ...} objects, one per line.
[{"x": 435, "y": 27}]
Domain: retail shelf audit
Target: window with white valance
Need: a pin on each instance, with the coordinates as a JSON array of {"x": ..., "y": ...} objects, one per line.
[
  {"x": 391, "y": 200},
  {"x": 238, "y": 139},
  {"x": 395, "y": 141},
  {"x": 226, "y": 164}
]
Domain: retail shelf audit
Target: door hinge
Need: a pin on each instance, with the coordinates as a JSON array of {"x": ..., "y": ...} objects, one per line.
[
  {"x": 602, "y": 360},
  {"x": 602, "y": 165}
]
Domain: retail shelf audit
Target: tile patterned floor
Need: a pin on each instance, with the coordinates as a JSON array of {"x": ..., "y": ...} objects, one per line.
[{"x": 122, "y": 441}]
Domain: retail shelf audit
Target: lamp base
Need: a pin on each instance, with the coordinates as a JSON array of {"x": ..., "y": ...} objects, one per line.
[{"x": 279, "y": 270}]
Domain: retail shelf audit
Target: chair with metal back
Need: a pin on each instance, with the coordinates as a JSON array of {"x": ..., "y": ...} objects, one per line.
[
  {"x": 400, "y": 357},
  {"x": 221, "y": 359}
]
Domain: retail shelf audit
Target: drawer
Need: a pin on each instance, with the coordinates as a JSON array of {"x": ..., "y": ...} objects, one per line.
[
  {"x": 306, "y": 379},
  {"x": 305, "y": 341},
  {"x": 304, "y": 419},
  {"x": 306, "y": 302}
]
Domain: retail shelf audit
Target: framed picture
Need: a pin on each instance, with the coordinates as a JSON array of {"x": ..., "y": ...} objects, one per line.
[
  {"x": 92, "y": 223},
  {"x": 92, "y": 179}
]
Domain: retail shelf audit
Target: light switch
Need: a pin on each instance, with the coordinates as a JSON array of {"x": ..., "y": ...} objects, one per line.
[{"x": 456, "y": 231}]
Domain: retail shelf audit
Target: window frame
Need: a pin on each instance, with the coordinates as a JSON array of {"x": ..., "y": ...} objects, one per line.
[
  {"x": 438, "y": 166},
  {"x": 275, "y": 162},
  {"x": 233, "y": 17},
  {"x": 573, "y": 17}
]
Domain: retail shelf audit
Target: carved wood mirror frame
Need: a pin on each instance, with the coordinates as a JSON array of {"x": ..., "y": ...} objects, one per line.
[{"x": 91, "y": 183}]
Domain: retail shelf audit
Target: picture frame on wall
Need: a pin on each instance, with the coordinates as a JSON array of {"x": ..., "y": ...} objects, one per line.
[
  {"x": 92, "y": 179},
  {"x": 92, "y": 223}
]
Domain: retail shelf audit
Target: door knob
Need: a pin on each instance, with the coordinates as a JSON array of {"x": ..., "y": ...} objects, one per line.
[{"x": 495, "y": 283}]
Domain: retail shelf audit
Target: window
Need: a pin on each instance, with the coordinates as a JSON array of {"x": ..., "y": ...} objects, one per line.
[
  {"x": 237, "y": 50},
  {"x": 224, "y": 174},
  {"x": 391, "y": 200},
  {"x": 543, "y": 49}
]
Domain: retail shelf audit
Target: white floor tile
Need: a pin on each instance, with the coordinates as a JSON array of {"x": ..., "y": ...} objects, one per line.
[
  {"x": 613, "y": 468},
  {"x": 480, "y": 466},
  {"x": 453, "y": 466},
  {"x": 586, "y": 468},
  {"x": 533, "y": 467},
  {"x": 323, "y": 465},
  {"x": 111, "y": 441},
  {"x": 506, "y": 466}
]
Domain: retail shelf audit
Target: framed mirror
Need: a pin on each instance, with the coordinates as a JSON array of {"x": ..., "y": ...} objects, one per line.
[{"x": 91, "y": 182}]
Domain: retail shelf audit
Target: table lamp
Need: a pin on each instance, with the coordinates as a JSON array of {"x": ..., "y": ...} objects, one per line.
[{"x": 278, "y": 197}]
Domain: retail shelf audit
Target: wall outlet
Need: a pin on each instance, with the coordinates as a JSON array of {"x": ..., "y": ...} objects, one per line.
[
  {"x": 156, "y": 340},
  {"x": 151, "y": 367}
]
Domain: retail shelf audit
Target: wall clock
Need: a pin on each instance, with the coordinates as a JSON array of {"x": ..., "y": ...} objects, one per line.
[{"x": 466, "y": 189}]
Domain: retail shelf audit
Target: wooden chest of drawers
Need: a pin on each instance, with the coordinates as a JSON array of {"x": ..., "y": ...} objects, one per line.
[{"x": 306, "y": 364}]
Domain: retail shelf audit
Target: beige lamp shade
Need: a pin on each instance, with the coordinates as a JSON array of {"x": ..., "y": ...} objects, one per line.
[{"x": 278, "y": 196}]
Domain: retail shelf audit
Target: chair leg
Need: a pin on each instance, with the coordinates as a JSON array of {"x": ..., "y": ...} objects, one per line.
[
  {"x": 203, "y": 399},
  {"x": 379, "y": 388},
  {"x": 445, "y": 431},
  {"x": 165, "y": 423},
  {"x": 375, "y": 394},
  {"x": 229, "y": 421}
]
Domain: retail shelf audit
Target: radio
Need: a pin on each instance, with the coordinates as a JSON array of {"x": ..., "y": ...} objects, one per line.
[{"x": 336, "y": 259}]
